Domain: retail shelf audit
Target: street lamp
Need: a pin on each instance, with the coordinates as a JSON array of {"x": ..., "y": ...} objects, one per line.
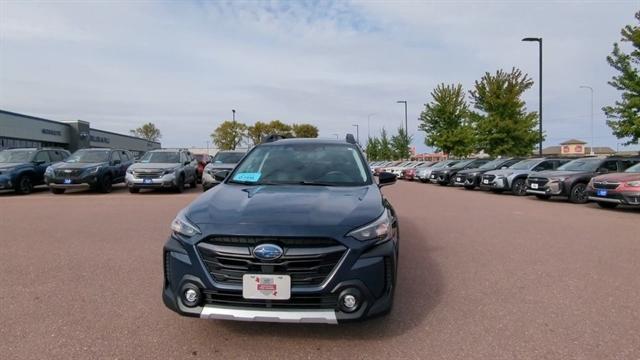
[
  {"x": 406, "y": 128},
  {"x": 539, "y": 41},
  {"x": 369, "y": 126},
  {"x": 357, "y": 133},
  {"x": 592, "y": 133},
  {"x": 233, "y": 112}
]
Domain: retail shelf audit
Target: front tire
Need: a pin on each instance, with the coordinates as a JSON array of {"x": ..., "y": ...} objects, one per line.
[
  {"x": 578, "y": 194},
  {"x": 180, "y": 184},
  {"x": 194, "y": 183},
  {"x": 24, "y": 185},
  {"x": 519, "y": 187},
  {"x": 105, "y": 185}
]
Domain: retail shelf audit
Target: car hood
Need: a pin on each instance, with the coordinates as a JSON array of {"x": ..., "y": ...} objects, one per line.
[
  {"x": 507, "y": 172},
  {"x": 471, "y": 171},
  {"x": 558, "y": 173},
  {"x": 10, "y": 165},
  {"x": 286, "y": 206},
  {"x": 66, "y": 165},
  {"x": 618, "y": 177},
  {"x": 159, "y": 166}
]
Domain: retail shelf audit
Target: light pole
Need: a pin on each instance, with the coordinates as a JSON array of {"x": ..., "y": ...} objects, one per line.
[
  {"x": 357, "y": 133},
  {"x": 406, "y": 128},
  {"x": 233, "y": 112},
  {"x": 539, "y": 41},
  {"x": 592, "y": 133},
  {"x": 369, "y": 126}
]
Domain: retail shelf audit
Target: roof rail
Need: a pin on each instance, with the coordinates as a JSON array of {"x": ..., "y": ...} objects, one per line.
[
  {"x": 272, "y": 138},
  {"x": 350, "y": 139}
]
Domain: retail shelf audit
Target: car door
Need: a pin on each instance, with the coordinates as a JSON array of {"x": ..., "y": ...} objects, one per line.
[
  {"x": 127, "y": 160},
  {"x": 191, "y": 167},
  {"x": 610, "y": 166},
  {"x": 40, "y": 163},
  {"x": 114, "y": 165}
]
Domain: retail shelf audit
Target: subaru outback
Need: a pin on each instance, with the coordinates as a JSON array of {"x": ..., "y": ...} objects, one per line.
[
  {"x": 297, "y": 232},
  {"x": 162, "y": 169}
]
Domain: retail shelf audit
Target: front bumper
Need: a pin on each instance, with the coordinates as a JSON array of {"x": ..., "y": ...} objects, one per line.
[
  {"x": 367, "y": 270},
  {"x": 80, "y": 182},
  {"x": 164, "y": 181},
  {"x": 5, "y": 182},
  {"x": 552, "y": 188},
  {"x": 631, "y": 198}
]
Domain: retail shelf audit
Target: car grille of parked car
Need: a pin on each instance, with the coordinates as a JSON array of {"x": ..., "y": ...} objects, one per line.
[
  {"x": 538, "y": 180},
  {"x": 307, "y": 260},
  {"x": 488, "y": 177},
  {"x": 605, "y": 185},
  {"x": 148, "y": 173},
  {"x": 68, "y": 172},
  {"x": 328, "y": 301}
]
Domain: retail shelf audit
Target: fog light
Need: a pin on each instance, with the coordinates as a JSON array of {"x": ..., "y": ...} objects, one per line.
[
  {"x": 350, "y": 300},
  {"x": 191, "y": 297}
]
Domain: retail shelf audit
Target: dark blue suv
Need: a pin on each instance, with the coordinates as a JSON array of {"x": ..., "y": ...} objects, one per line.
[
  {"x": 96, "y": 169},
  {"x": 22, "y": 169},
  {"x": 297, "y": 232}
]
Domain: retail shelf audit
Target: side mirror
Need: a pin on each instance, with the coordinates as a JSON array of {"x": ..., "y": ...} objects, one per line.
[
  {"x": 39, "y": 162},
  {"x": 117, "y": 162},
  {"x": 221, "y": 175},
  {"x": 385, "y": 178}
]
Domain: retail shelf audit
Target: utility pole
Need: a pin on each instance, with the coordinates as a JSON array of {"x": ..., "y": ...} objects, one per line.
[
  {"x": 593, "y": 138},
  {"x": 539, "y": 41}
]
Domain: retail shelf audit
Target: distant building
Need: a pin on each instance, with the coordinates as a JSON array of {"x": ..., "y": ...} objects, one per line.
[
  {"x": 575, "y": 147},
  {"x": 430, "y": 157}
]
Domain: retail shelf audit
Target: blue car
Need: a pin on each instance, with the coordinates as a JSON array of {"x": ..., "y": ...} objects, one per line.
[
  {"x": 297, "y": 232},
  {"x": 22, "y": 169}
]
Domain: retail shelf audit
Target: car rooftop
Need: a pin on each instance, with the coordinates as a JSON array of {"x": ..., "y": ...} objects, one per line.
[{"x": 307, "y": 141}]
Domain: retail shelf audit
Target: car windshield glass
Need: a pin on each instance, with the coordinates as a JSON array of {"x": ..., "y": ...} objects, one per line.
[
  {"x": 524, "y": 165},
  {"x": 581, "y": 165},
  {"x": 304, "y": 164},
  {"x": 89, "y": 156},
  {"x": 461, "y": 164},
  {"x": 16, "y": 156},
  {"x": 227, "y": 157},
  {"x": 634, "y": 169},
  {"x": 161, "y": 157},
  {"x": 492, "y": 164}
]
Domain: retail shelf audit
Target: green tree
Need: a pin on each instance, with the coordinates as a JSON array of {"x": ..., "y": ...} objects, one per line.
[
  {"x": 445, "y": 120},
  {"x": 229, "y": 135},
  {"x": 502, "y": 124},
  {"x": 279, "y": 128},
  {"x": 147, "y": 131},
  {"x": 385, "y": 151},
  {"x": 400, "y": 143},
  {"x": 304, "y": 131},
  {"x": 624, "y": 116},
  {"x": 373, "y": 149},
  {"x": 257, "y": 131}
]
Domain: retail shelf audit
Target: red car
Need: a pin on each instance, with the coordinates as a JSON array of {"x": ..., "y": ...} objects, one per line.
[
  {"x": 611, "y": 190},
  {"x": 203, "y": 160}
]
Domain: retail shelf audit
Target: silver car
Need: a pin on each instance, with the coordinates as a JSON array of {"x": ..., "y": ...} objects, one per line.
[
  {"x": 424, "y": 173},
  {"x": 162, "y": 169},
  {"x": 514, "y": 178},
  {"x": 224, "y": 160}
]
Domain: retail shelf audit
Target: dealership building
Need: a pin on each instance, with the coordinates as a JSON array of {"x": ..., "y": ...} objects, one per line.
[{"x": 18, "y": 130}]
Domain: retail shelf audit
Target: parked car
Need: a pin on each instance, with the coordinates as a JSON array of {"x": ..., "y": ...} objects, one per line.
[
  {"x": 471, "y": 178},
  {"x": 425, "y": 174},
  {"x": 412, "y": 172},
  {"x": 297, "y": 232},
  {"x": 611, "y": 190},
  {"x": 223, "y": 160},
  {"x": 22, "y": 169},
  {"x": 514, "y": 178},
  {"x": 94, "y": 168},
  {"x": 163, "y": 169},
  {"x": 202, "y": 161},
  {"x": 412, "y": 165},
  {"x": 570, "y": 180},
  {"x": 446, "y": 176},
  {"x": 384, "y": 167},
  {"x": 397, "y": 168}
]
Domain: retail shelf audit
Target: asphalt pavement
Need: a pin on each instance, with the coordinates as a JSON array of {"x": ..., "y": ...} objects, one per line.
[{"x": 481, "y": 276}]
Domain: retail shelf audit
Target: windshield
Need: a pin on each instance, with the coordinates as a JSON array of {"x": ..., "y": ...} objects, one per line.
[
  {"x": 581, "y": 165},
  {"x": 461, "y": 164},
  {"x": 492, "y": 164},
  {"x": 227, "y": 157},
  {"x": 524, "y": 165},
  {"x": 89, "y": 156},
  {"x": 305, "y": 164},
  {"x": 16, "y": 156},
  {"x": 161, "y": 157},
  {"x": 634, "y": 169}
]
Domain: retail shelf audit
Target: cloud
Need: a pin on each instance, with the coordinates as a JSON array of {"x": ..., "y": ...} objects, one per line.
[{"x": 184, "y": 65}]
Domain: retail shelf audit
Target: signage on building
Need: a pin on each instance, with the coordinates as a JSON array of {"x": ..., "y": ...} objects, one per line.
[
  {"x": 100, "y": 139},
  {"x": 52, "y": 132}
]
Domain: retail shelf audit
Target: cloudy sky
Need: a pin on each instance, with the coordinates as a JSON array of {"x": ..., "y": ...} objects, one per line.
[{"x": 185, "y": 65}]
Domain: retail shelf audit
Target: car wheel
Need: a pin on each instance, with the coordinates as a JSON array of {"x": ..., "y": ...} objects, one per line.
[
  {"x": 519, "y": 187},
  {"x": 606, "y": 205},
  {"x": 194, "y": 183},
  {"x": 579, "y": 194},
  {"x": 24, "y": 185},
  {"x": 105, "y": 185},
  {"x": 543, "y": 197},
  {"x": 57, "y": 191},
  {"x": 180, "y": 184},
  {"x": 134, "y": 190}
]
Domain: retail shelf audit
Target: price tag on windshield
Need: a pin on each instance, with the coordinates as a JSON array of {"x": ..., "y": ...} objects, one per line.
[{"x": 248, "y": 177}]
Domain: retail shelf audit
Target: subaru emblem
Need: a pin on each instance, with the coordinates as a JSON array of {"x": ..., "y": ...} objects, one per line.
[{"x": 267, "y": 252}]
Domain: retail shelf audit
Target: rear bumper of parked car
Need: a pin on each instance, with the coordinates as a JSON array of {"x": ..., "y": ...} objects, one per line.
[
  {"x": 368, "y": 273},
  {"x": 631, "y": 198},
  {"x": 165, "y": 181}
]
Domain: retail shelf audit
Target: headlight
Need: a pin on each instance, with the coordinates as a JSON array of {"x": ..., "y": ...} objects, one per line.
[
  {"x": 129, "y": 171},
  {"x": 377, "y": 230},
  {"x": 634, "y": 183},
  {"x": 93, "y": 170},
  {"x": 182, "y": 226},
  {"x": 7, "y": 170},
  {"x": 49, "y": 170},
  {"x": 560, "y": 178},
  {"x": 168, "y": 171}
]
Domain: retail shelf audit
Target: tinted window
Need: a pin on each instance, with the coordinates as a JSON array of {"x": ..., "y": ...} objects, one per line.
[
  {"x": 628, "y": 163},
  {"x": 589, "y": 165},
  {"x": 124, "y": 156},
  {"x": 16, "y": 156},
  {"x": 634, "y": 169},
  {"x": 611, "y": 165},
  {"x": 42, "y": 156},
  {"x": 161, "y": 157},
  {"x": 545, "y": 165},
  {"x": 524, "y": 165},
  {"x": 55, "y": 155},
  {"x": 115, "y": 156},
  {"x": 89, "y": 156}
]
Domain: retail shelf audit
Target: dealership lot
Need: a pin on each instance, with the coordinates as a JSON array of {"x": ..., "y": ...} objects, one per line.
[{"x": 481, "y": 276}]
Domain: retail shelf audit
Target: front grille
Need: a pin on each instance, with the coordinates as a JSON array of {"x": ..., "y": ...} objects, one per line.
[
  {"x": 606, "y": 185},
  {"x": 68, "y": 172},
  {"x": 148, "y": 173},
  {"x": 488, "y": 177},
  {"x": 307, "y": 260},
  {"x": 328, "y": 301},
  {"x": 538, "y": 180}
]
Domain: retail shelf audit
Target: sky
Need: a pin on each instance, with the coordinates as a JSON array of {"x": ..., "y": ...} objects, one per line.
[{"x": 184, "y": 65}]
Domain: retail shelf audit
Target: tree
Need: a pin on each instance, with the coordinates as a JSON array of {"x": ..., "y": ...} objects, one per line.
[
  {"x": 304, "y": 131},
  {"x": 503, "y": 126},
  {"x": 385, "y": 151},
  {"x": 624, "y": 116},
  {"x": 257, "y": 131},
  {"x": 279, "y": 128},
  {"x": 148, "y": 131},
  {"x": 400, "y": 144},
  {"x": 229, "y": 135},
  {"x": 373, "y": 149},
  {"x": 445, "y": 120}
]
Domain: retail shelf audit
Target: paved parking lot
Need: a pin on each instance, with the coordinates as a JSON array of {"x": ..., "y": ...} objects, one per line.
[{"x": 481, "y": 276}]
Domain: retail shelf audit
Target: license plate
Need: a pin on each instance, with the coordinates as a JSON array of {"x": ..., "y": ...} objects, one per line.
[
  {"x": 485, "y": 181},
  {"x": 534, "y": 186},
  {"x": 601, "y": 192},
  {"x": 266, "y": 287},
  {"x": 67, "y": 181},
  {"x": 433, "y": 176},
  {"x": 147, "y": 181}
]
